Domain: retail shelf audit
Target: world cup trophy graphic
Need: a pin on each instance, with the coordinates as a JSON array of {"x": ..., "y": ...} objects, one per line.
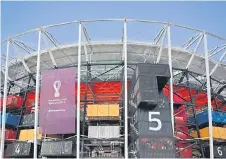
[{"x": 56, "y": 86}]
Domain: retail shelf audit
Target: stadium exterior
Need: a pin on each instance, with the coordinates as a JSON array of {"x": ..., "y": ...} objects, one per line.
[{"x": 105, "y": 61}]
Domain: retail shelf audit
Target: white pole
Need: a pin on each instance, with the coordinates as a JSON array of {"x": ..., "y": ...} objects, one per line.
[
  {"x": 171, "y": 74},
  {"x": 209, "y": 97},
  {"x": 4, "y": 101},
  {"x": 125, "y": 87},
  {"x": 37, "y": 95},
  {"x": 78, "y": 89}
]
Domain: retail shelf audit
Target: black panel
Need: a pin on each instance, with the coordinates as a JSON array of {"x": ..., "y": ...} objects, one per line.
[{"x": 219, "y": 151}]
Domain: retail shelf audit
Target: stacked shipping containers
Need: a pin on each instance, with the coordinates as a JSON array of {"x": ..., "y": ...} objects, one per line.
[
  {"x": 219, "y": 132},
  {"x": 151, "y": 134},
  {"x": 104, "y": 130}
]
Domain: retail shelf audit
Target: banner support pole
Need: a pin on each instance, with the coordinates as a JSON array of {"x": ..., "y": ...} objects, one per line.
[
  {"x": 78, "y": 90},
  {"x": 4, "y": 100},
  {"x": 35, "y": 152}
]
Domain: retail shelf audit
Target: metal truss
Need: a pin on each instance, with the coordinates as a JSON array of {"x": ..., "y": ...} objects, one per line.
[{"x": 211, "y": 85}]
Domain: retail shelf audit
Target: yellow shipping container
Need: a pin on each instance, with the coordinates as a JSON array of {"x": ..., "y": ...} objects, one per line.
[
  {"x": 218, "y": 133},
  {"x": 114, "y": 110},
  {"x": 92, "y": 110},
  {"x": 103, "y": 110},
  {"x": 28, "y": 134}
]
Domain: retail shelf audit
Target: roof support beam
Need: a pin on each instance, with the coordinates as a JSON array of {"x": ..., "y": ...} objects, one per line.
[
  {"x": 195, "y": 50},
  {"x": 25, "y": 66},
  {"x": 49, "y": 51},
  {"x": 218, "y": 63},
  {"x": 214, "y": 52},
  {"x": 161, "y": 47},
  {"x": 159, "y": 35},
  {"x": 191, "y": 41}
]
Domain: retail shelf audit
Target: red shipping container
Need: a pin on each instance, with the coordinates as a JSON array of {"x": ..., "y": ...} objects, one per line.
[
  {"x": 10, "y": 134},
  {"x": 14, "y": 101},
  {"x": 181, "y": 119}
]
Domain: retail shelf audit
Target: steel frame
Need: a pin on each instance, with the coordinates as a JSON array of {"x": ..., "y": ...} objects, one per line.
[{"x": 83, "y": 32}]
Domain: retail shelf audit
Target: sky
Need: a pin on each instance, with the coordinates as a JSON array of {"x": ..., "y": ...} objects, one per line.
[{"x": 18, "y": 17}]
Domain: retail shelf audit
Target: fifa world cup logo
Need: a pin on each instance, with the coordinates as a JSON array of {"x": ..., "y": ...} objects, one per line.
[{"x": 56, "y": 86}]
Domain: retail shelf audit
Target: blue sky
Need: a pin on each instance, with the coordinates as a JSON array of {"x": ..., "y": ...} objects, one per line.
[{"x": 21, "y": 16}]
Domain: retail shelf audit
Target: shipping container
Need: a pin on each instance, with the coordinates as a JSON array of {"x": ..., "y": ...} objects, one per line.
[
  {"x": 19, "y": 149},
  {"x": 145, "y": 82},
  {"x": 202, "y": 118},
  {"x": 218, "y": 133},
  {"x": 146, "y": 147},
  {"x": 147, "y": 129},
  {"x": 11, "y": 120},
  {"x": 181, "y": 131},
  {"x": 10, "y": 135},
  {"x": 103, "y": 132},
  {"x": 58, "y": 148},
  {"x": 219, "y": 150},
  {"x": 28, "y": 135},
  {"x": 14, "y": 101},
  {"x": 28, "y": 120},
  {"x": 103, "y": 111},
  {"x": 143, "y": 115},
  {"x": 146, "y": 98}
]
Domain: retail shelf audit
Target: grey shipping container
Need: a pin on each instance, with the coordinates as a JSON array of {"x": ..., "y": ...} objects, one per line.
[
  {"x": 146, "y": 99},
  {"x": 161, "y": 71},
  {"x": 145, "y": 82},
  {"x": 142, "y": 115},
  {"x": 152, "y": 69},
  {"x": 58, "y": 148},
  {"x": 103, "y": 132},
  {"x": 162, "y": 104},
  {"x": 28, "y": 119}
]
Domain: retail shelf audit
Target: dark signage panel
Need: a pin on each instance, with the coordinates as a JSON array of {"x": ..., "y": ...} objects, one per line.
[{"x": 219, "y": 151}]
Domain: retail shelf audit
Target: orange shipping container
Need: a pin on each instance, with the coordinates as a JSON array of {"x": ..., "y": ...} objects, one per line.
[
  {"x": 92, "y": 110},
  {"x": 114, "y": 110},
  {"x": 218, "y": 133},
  {"x": 103, "y": 110},
  {"x": 28, "y": 135}
]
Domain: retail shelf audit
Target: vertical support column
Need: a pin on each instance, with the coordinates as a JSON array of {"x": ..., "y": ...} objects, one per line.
[
  {"x": 209, "y": 96},
  {"x": 125, "y": 87},
  {"x": 171, "y": 74},
  {"x": 37, "y": 95},
  {"x": 4, "y": 101},
  {"x": 78, "y": 89}
]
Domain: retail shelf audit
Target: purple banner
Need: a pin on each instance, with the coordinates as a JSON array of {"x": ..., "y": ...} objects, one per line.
[{"x": 57, "y": 102}]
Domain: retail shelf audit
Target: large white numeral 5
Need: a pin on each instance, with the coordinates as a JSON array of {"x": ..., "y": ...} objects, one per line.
[
  {"x": 219, "y": 151},
  {"x": 155, "y": 120}
]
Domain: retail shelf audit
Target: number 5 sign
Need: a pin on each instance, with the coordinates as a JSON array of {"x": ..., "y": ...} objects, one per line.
[{"x": 153, "y": 119}]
